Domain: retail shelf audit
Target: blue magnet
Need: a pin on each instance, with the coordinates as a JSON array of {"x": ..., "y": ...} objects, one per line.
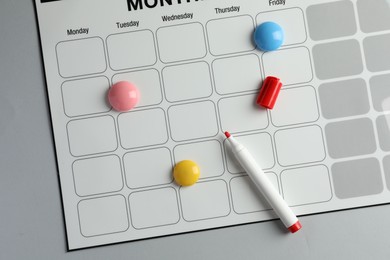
[{"x": 269, "y": 36}]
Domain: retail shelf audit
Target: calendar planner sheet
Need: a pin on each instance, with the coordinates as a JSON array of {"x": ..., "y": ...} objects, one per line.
[{"x": 325, "y": 145}]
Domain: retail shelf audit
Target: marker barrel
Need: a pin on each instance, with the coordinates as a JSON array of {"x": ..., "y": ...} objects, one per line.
[{"x": 264, "y": 185}]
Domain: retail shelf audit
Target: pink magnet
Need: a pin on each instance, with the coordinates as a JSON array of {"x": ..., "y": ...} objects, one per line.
[{"x": 123, "y": 96}]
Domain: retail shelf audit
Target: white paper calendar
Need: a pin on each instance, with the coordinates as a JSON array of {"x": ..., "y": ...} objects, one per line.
[{"x": 325, "y": 146}]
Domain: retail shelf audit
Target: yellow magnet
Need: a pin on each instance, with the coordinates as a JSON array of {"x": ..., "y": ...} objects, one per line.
[{"x": 186, "y": 173}]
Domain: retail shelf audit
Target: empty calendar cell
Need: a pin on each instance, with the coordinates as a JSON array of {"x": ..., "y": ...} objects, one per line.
[
  {"x": 193, "y": 121},
  {"x": 85, "y": 96},
  {"x": 208, "y": 155},
  {"x": 331, "y": 20},
  {"x": 205, "y": 200},
  {"x": 189, "y": 42},
  {"x": 373, "y": 16},
  {"x": 357, "y": 178},
  {"x": 147, "y": 82},
  {"x": 350, "y": 138},
  {"x": 229, "y": 77},
  {"x": 292, "y": 22},
  {"x": 246, "y": 196},
  {"x": 131, "y": 50},
  {"x": 230, "y": 35},
  {"x": 299, "y": 145},
  {"x": 81, "y": 57},
  {"x": 97, "y": 175},
  {"x": 241, "y": 114},
  {"x": 344, "y": 98},
  {"x": 153, "y": 208},
  {"x": 140, "y": 172},
  {"x": 293, "y": 66},
  {"x": 306, "y": 185},
  {"x": 386, "y": 169},
  {"x": 295, "y": 106},
  {"x": 142, "y": 128},
  {"x": 380, "y": 92},
  {"x": 337, "y": 59},
  {"x": 187, "y": 81},
  {"x": 259, "y": 145},
  {"x": 383, "y": 129},
  {"x": 105, "y": 215},
  {"x": 376, "y": 52},
  {"x": 92, "y": 135}
]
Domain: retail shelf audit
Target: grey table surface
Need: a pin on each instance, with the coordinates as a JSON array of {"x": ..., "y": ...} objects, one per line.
[{"x": 31, "y": 218}]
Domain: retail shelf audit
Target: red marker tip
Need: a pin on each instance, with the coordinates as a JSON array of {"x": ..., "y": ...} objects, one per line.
[
  {"x": 227, "y": 134},
  {"x": 295, "y": 227}
]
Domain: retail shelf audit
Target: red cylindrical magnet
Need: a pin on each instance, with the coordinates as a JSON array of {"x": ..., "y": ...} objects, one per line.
[{"x": 269, "y": 92}]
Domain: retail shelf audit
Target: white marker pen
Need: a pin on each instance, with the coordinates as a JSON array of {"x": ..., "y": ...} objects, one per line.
[{"x": 264, "y": 185}]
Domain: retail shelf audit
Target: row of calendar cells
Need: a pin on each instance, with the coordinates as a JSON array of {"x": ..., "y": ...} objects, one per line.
[
  {"x": 189, "y": 81},
  {"x": 176, "y": 43}
]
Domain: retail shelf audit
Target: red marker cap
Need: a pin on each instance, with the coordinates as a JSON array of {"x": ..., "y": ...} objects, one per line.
[{"x": 269, "y": 92}]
